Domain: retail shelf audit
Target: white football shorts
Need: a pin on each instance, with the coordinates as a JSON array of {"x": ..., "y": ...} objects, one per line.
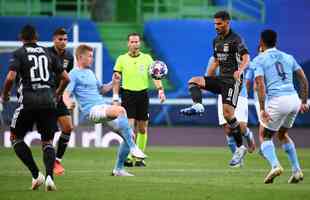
[
  {"x": 283, "y": 111},
  {"x": 241, "y": 111}
]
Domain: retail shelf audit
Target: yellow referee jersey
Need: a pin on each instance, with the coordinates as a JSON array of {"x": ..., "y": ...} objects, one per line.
[{"x": 134, "y": 71}]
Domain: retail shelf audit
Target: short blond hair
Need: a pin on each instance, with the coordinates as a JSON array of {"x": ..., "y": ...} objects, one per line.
[{"x": 82, "y": 49}]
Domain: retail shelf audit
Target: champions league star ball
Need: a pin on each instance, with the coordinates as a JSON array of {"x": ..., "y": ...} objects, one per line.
[{"x": 158, "y": 70}]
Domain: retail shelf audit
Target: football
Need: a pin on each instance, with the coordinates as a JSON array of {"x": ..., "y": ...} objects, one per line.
[{"x": 158, "y": 70}]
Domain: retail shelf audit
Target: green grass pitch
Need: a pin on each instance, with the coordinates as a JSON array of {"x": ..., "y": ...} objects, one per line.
[{"x": 172, "y": 173}]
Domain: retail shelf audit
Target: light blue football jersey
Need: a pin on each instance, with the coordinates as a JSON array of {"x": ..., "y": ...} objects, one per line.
[
  {"x": 277, "y": 68},
  {"x": 243, "y": 92},
  {"x": 86, "y": 89}
]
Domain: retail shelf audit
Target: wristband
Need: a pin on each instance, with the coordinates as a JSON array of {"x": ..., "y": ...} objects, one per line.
[{"x": 115, "y": 97}]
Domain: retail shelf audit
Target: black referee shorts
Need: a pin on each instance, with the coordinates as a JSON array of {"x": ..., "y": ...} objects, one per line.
[
  {"x": 24, "y": 119},
  {"x": 136, "y": 104},
  {"x": 228, "y": 87}
]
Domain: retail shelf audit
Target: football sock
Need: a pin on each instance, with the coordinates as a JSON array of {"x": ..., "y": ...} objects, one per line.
[
  {"x": 23, "y": 152},
  {"x": 248, "y": 134},
  {"x": 48, "y": 158},
  {"x": 268, "y": 150},
  {"x": 236, "y": 131},
  {"x": 290, "y": 149},
  {"x": 231, "y": 143},
  {"x": 125, "y": 130},
  {"x": 122, "y": 154},
  {"x": 195, "y": 93},
  {"x": 62, "y": 145},
  {"x": 141, "y": 141}
]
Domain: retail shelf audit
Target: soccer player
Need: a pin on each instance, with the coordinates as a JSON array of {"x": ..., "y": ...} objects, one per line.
[
  {"x": 231, "y": 56},
  {"x": 241, "y": 113},
  {"x": 60, "y": 39},
  {"x": 133, "y": 68},
  {"x": 34, "y": 70},
  {"x": 87, "y": 90},
  {"x": 274, "y": 71}
]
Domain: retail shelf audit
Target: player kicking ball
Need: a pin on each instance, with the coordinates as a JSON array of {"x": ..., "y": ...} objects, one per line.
[{"x": 88, "y": 92}]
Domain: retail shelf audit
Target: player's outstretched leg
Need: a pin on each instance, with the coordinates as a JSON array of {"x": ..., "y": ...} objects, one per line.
[{"x": 197, "y": 108}]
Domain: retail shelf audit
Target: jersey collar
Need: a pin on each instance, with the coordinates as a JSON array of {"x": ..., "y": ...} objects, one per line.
[{"x": 270, "y": 49}]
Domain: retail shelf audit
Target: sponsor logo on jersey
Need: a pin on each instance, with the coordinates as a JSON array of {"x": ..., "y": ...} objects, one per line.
[
  {"x": 226, "y": 47},
  {"x": 65, "y": 64}
]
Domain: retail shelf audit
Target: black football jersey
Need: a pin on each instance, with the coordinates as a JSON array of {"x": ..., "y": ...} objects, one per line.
[
  {"x": 229, "y": 51},
  {"x": 36, "y": 72},
  {"x": 66, "y": 59}
]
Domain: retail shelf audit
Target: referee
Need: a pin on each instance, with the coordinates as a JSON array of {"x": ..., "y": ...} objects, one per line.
[{"x": 132, "y": 68}]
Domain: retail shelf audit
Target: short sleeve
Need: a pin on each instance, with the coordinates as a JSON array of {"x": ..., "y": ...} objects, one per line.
[
  {"x": 258, "y": 67},
  {"x": 15, "y": 62},
  {"x": 118, "y": 65},
  {"x": 296, "y": 66},
  {"x": 71, "y": 86}
]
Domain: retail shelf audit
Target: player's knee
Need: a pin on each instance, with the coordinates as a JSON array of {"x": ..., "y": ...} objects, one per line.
[
  {"x": 195, "y": 82},
  {"x": 227, "y": 130},
  {"x": 268, "y": 134},
  {"x": 282, "y": 134},
  {"x": 121, "y": 111},
  {"x": 67, "y": 129},
  {"x": 142, "y": 129},
  {"x": 227, "y": 115}
]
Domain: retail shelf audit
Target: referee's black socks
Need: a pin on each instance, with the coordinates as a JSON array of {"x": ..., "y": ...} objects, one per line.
[
  {"x": 23, "y": 152},
  {"x": 195, "y": 93},
  {"x": 236, "y": 131}
]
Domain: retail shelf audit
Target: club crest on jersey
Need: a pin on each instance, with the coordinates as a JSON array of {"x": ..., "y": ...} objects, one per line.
[
  {"x": 226, "y": 47},
  {"x": 66, "y": 63}
]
